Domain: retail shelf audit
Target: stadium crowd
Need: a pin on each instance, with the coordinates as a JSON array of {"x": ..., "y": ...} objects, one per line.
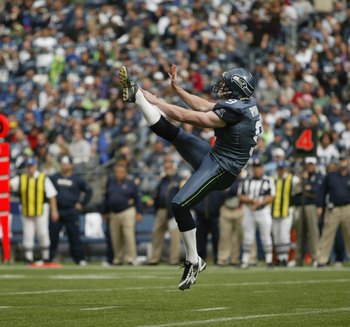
[{"x": 60, "y": 90}]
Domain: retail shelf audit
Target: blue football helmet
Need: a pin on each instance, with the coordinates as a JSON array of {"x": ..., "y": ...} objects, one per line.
[{"x": 237, "y": 83}]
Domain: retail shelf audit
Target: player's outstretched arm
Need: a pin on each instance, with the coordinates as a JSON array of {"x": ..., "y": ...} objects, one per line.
[
  {"x": 194, "y": 101},
  {"x": 201, "y": 119}
]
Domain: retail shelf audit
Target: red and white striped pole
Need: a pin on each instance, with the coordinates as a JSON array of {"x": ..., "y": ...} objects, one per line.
[{"x": 5, "y": 189}]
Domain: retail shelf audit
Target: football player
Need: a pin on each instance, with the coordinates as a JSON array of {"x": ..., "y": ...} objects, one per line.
[{"x": 237, "y": 123}]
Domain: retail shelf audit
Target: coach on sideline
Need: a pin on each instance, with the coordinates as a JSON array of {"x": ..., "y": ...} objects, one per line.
[
  {"x": 70, "y": 203},
  {"x": 122, "y": 208},
  {"x": 337, "y": 186}
]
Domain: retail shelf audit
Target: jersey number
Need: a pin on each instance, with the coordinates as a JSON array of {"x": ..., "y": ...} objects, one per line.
[
  {"x": 304, "y": 141},
  {"x": 258, "y": 131}
]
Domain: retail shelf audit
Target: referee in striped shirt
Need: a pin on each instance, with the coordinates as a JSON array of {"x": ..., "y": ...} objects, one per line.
[{"x": 257, "y": 192}]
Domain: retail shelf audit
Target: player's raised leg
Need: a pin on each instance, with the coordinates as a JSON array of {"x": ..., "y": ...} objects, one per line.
[{"x": 190, "y": 147}]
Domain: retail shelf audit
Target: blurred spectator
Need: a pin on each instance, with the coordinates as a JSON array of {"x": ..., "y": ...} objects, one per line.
[
  {"x": 33, "y": 188},
  {"x": 73, "y": 196},
  {"x": 98, "y": 142},
  {"x": 207, "y": 220},
  {"x": 336, "y": 186},
  {"x": 306, "y": 215},
  {"x": 122, "y": 205},
  {"x": 230, "y": 228},
  {"x": 79, "y": 148},
  {"x": 164, "y": 219},
  {"x": 326, "y": 151}
]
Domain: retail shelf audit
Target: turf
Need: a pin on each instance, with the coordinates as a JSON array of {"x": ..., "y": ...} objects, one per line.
[{"x": 148, "y": 296}]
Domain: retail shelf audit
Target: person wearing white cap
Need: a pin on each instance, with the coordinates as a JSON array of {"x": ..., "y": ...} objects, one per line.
[
  {"x": 306, "y": 211},
  {"x": 33, "y": 186}
]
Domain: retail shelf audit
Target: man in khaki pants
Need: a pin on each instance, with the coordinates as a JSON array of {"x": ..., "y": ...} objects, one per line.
[
  {"x": 164, "y": 220},
  {"x": 306, "y": 211},
  {"x": 337, "y": 186},
  {"x": 230, "y": 229},
  {"x": 123, "y": 206}
]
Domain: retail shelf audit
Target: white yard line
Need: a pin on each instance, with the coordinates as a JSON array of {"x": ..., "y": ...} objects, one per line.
[
  {"x": 99, "y": 308},
  {"x": 167, "y": 288},
  {"x": 12, "y": 276},
  {"x": 105, "y": 277},
  {"x": 210, "y": 309},
  {"x": 287, "y": 282},
  {"x": 250, "y": 317},
  {"x": 4, "y": 307}
]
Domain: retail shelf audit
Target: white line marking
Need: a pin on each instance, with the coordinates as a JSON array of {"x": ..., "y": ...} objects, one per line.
[
  {"x": 74, "y": 277},
  {"x": 4, "y": 307},
  {"x": 166, "y": 288},
  {"x": 210, "y": 309},
  {"x": 105, "y": 277},
  {"x": 251, "y": 317},
  {"x": 288, "y": 282},
  {"x": 99, "y": 308},
  {"x": 10, "y": 276}
]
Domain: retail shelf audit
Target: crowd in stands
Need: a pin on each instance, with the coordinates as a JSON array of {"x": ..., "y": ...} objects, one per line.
[{"x": 59, "y": 85}]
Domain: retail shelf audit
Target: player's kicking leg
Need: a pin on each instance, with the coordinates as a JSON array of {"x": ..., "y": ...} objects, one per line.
[{"x": 183, "y": 143}]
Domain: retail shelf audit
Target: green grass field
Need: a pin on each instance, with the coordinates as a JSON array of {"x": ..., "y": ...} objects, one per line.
[{"x": 148, "y": 296}]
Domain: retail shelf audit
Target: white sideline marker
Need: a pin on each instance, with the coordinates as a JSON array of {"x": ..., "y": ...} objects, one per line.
[
  {"x": 100, "y": 308},
  {"x": 250, "y": 317},
  {"x": 210, "y": 309}
]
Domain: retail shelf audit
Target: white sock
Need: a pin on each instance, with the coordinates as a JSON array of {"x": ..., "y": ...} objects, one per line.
[
  {"x": 45, "y": 254},
  {"x": 29, "y": 255},
  {"x": 283, "y": 257},
  {"x": 189, "y": 238},
  {"x": 268, "y": 257},
  {"x": 148, "y": 110},
  {"x": 245, "y": 257}
]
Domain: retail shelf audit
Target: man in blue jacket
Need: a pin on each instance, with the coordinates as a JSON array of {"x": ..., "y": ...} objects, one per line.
[
  {"x": 168, "y": 186},
  {"x": 73, "y": 194},
  {"x": 307, "y": 222},
  {"x": 122, "y": 207},
  {"x": 336, "y": 186}
]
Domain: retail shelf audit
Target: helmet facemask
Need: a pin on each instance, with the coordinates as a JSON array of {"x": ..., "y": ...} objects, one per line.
[{"x": 221, "y": 89}]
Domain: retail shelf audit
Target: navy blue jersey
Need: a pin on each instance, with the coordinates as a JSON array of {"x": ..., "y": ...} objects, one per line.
[
  {"x": 235, "y": 142},
  {"x": 69, "y": 190}
]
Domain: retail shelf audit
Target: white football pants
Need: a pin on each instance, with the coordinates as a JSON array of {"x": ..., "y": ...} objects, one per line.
[
  {"x": 39, "y": 226},
  {"x": 263, "y": 220},
  {"x": 281, "y": 235}
]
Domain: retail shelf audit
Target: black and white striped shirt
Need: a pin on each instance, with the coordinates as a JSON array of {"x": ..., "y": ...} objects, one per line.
[{"x": 257, "y": 188}]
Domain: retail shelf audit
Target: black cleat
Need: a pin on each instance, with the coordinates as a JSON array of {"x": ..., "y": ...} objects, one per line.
[
  {"x": 190, "y": 273},
  {"x": 129, "y": 87}
]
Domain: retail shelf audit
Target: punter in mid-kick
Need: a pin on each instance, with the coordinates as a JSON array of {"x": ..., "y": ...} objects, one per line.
[{"x": 236, "y": 122}]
